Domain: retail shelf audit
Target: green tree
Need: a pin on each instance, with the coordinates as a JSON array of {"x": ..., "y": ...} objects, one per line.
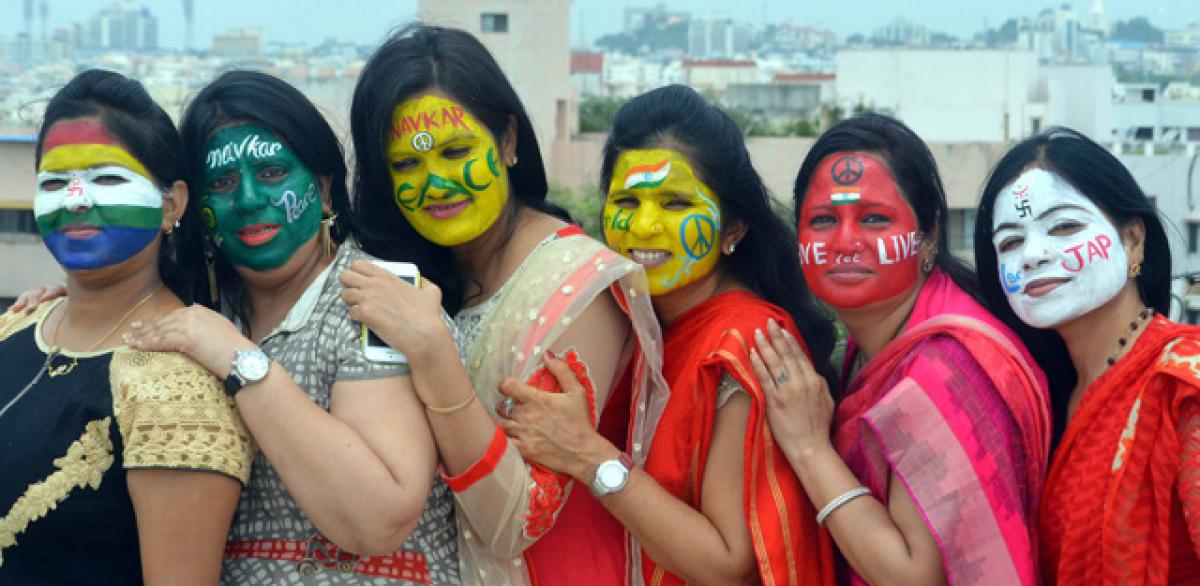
[
  {"x": 586, "y": 208},
  {"x": 1137, "y": 29},
  {"x": 596, "y": 113},
  {"x": 800, "y": 127}
]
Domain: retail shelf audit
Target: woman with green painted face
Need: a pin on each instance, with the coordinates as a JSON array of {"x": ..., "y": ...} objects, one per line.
[
  {"x": 340, "y": 493},
  {"x": 448, "y": 173}
]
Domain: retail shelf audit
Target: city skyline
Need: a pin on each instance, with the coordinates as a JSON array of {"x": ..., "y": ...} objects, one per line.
[{"x": 591, "y": 19}]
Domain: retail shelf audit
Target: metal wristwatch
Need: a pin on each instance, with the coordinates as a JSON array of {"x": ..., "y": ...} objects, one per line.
[
  {"x": 612, "y": 475},
  {"x": 248, "y": 367}
]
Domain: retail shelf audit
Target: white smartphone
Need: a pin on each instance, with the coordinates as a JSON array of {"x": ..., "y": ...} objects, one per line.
[{"x": 374, "y": 348}]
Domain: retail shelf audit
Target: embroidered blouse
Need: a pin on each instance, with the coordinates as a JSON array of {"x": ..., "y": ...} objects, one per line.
[{"x": 66, "y": 443}]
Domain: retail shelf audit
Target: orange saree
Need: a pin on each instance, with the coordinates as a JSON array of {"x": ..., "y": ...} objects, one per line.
[
  {"x": 708, "y": 340},
  {"x": 1123, "y": 492}
]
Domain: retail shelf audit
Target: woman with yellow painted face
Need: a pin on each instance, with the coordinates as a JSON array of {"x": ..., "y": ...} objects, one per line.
[
  {"x": 712, "y": 500},
  {"x": 117, "y": 465},
  {"x": 448, "y": 172}
]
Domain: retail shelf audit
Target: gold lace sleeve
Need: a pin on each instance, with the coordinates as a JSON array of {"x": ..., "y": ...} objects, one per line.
[{"x": 172, "y": 413}]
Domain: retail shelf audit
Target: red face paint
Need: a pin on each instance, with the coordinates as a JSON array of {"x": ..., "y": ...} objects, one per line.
[{"x": 859, "y": 242}]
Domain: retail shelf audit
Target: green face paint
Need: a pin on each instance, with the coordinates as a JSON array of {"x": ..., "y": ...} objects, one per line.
[{"x": 260, "y": 201}]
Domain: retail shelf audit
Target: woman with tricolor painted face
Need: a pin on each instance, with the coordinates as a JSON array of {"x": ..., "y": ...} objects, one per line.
[
  {"x": 1073, "y": 254},
  {"x": 340, "y": 493},
  {"x": 448, "y": 172},
  {"x": 711, "y": 499},
  {"x": 928, "y": 468},
  {"x": 119, "y": 466}
]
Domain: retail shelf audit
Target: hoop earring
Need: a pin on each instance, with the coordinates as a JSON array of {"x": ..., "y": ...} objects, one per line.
[
  {"x": 1135, "y": 269},
  {"x": 326, "y": 237}
]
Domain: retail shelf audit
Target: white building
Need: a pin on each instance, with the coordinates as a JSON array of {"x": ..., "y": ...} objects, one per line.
[
  {"x": 1142, "y": 113},
  {"x": 531, "y": 41}
]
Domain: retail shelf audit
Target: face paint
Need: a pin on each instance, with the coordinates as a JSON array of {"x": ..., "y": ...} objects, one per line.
[
  {"x": 446, "y": 171},
  {"x": 261, "y": 203},
  {"x": 96, "y": 205},
  {"x": 859, "y": 242},
  {"x": 1059, "y": 256},
  {"x": 660, "y": 215}
]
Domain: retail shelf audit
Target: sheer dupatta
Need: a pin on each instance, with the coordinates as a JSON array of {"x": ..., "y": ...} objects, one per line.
[{"x": 504, "y": 504}]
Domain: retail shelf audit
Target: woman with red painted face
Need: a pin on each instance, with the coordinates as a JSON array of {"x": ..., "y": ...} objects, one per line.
[
  {"x": 711, "y": 499},
  {"x": 1073, "y": 254},
  {"x": 940, "y": 432}
]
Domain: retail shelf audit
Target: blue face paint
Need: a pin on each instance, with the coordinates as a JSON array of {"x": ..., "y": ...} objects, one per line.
[{"x": 1012, "y": 281}]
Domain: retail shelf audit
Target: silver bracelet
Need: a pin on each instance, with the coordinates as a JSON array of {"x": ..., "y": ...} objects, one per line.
[{"x": 840, "y": 500}]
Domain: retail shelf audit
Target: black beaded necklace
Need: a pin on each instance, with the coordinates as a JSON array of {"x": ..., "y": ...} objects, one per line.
[{"x": 1123, "y": 341}]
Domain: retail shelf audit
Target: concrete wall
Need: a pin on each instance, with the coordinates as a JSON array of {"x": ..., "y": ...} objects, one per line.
[{"x": 776, "y": 100}]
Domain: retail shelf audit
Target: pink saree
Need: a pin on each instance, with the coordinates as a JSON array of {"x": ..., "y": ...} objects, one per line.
[{"x": 958, "y": 410}]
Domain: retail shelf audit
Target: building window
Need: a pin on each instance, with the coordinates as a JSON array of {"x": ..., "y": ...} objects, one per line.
[
  {"x": 962, "y": 230},
  {"x": 1193, "y": 317},
  {"x": 1193, "y": 134},
  {"x": 1035, "y": 125},
  {"x": 1148, "y": 95},
  {"x": 494, "y": 23},
  {"x": 1143, "y": 133},
  {"x": 1193, "y": 236},
  {"x": 17, "y": 222}
]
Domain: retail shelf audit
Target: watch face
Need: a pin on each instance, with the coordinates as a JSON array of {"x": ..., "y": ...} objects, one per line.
[
  {"x": 612, "y": 475},
  {"x": 253, "y": 365}
]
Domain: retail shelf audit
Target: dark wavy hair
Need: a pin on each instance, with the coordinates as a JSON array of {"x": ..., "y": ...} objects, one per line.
[
  {"x": 916, "y": 174},
  {"x": 254, "y": 97},
  {"x": 1100, "y": 177},
  {"x": 765, "y": 261},
  {"x": 146, "y": 131},
  {"x": 417, "y": 58}
]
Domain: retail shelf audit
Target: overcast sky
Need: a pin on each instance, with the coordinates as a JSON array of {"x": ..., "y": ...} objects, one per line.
[{"x": 367, "y": 21}]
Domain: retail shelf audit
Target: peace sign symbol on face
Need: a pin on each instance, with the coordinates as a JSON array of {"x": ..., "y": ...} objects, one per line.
[
  {"x": 847, "y": 170},
  {"x": 422, "y": 141}
]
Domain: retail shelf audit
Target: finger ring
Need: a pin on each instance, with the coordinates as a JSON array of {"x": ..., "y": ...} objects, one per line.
[
  {"x": 507, "y": 407},
  {"x": 782, "y": 378}
]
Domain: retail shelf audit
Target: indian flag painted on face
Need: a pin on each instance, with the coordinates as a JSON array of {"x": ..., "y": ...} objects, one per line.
[
  {"x": 95, "y": 205},
  {"x": 838, "y": 198},
  {"x": 647, "y": 176}
]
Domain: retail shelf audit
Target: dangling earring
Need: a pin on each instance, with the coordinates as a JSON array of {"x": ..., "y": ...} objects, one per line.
[
  {"x": 171, "y": 229},
  {"x": 327, "y": 243},
  {"x": 1135, "y": 269},
  {"x": 213, "y": 293},
  {"x": 927, "y": 265}
]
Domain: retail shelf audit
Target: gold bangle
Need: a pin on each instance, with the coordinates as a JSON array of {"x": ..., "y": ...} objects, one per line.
[{"x": 452, "y": 408}]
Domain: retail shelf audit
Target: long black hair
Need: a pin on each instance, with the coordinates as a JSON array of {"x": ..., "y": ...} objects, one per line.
[
  {"x": 416, "y": 58},
  {"x": 914, "y": 170},
  {"x": 1101, "y": 178},
  {"x": 250, "y": 96},
  {"x": 146, "y": 131},
  {"x": 765, "y": 260}
]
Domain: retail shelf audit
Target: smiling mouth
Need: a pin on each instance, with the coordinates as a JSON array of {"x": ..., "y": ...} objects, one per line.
[
  {"x": 650, "y": 258},
  {"x": 443, "y": 211},
  {"x": 1042, "y": 287},
  {"x": 257, "y": 234},
  {"x": 79, "y": 231},
  {"x": 849, "y": 273}
]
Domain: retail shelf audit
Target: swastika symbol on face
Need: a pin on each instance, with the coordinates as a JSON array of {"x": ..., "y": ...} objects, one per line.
[
  {"x": 422, "y": 141},
  {"x": 847, "y": 170},
  {"x": 1022, "y": 206}
]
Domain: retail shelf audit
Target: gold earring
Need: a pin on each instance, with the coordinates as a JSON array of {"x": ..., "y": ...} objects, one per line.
[
  {"x": 327, "y": 243},
  {"x": 213, "y": 294},
  {"x": 1135, "y": 269}
]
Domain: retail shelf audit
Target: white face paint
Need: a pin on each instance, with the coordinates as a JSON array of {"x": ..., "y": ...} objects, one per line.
[{"x": 1059, "y": 256}]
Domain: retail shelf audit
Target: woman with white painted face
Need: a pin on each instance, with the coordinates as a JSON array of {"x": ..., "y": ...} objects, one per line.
[
  {"x": 340, "y": 492},
  {"x": 1072, "y": 253},
  {"x": 116, "y": 466},
  {"x": 941, "y": 431}
]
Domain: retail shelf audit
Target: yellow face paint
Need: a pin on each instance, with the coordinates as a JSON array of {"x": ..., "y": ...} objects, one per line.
[
  {"x": 660, "y": 215},
  {"x": 446, "y": 171},
  {"x": 85, "y": 156}
]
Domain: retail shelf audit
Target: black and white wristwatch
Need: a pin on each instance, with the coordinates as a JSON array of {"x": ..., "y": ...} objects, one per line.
[
  {"x": 612, "y": 475},
  {"x": 249, "y": 367}
]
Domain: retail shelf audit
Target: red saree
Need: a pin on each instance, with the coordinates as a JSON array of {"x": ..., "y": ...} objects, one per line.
[
  {"x": 954, "y": 407},
  {"x": 1123, "y": 488},
  {"x": 710, "y": 339}
]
